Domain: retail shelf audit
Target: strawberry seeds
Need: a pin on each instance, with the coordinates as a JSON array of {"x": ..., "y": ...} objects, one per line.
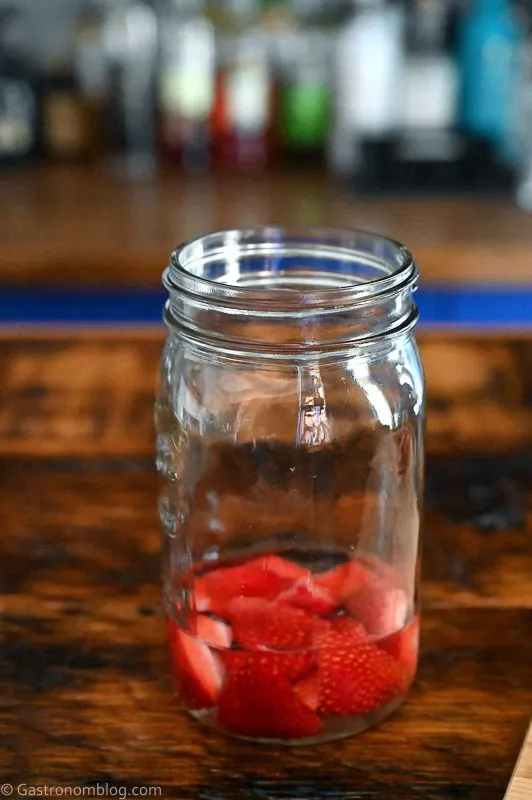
[{"x": 276, "y": 652}]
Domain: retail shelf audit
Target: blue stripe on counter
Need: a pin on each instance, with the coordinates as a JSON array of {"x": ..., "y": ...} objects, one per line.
[{"x": 443, "y": 305}]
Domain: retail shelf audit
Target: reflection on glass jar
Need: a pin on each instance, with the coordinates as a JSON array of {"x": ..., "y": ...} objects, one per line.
[{"x": 290, "y": 423}]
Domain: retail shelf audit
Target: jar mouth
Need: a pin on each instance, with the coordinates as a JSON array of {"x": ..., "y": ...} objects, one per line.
[{"x": 276, "y": 269}]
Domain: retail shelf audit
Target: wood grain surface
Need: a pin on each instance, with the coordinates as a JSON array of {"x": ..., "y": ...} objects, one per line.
[
  {"x": 86, "y": 695},
  {"x": 520, "y": 787},
  {"x": 80, "y": 226},
  {"x": 91, "y": 393}
]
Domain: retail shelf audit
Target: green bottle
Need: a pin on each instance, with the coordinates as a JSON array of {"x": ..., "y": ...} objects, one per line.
[{"x": 306, "y": 103}]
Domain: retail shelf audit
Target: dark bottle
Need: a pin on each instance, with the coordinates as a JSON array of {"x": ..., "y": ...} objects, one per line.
[
  {"x": 89, "y": 70},
  {"x": 72, "y": 97},
  {"x": 19, "y": 96},
  {"x": 68, "y": 119},
  {"x": 131, "y": 42}
]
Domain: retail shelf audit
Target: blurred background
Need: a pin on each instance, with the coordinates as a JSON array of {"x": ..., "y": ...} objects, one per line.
[
  {"x": 129, "y": 125},
  {"x": 396, "y": 95}
]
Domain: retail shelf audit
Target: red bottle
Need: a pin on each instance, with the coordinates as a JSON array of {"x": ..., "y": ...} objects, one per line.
[{"x": 243, "y": 110}]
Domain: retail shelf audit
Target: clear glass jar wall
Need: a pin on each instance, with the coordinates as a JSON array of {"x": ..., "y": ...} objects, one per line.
[{"x": 289, "y": 443}]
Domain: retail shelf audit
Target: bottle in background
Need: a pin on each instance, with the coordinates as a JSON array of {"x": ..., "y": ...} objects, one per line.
[
  {"x": 187, "y": 83},
  {"x": 19, "y": 94},
  {"x": 489, "y": 42},
  {"x": 242, "y": 119},
  {"x": 324, "y": 13},
  {"x": 89, "y": 68},
  {"x": 277, "y": 15},
  {"x": 67, "y": 127},
  {"x": 73, "y": 92},
  {"x": 368, "y": 68},
  {"x": 524, "y": 120},
  {"x": 429, "y": 150},
  {"x": 305, "y": 102},
  {"x": 131, "y": 48}
]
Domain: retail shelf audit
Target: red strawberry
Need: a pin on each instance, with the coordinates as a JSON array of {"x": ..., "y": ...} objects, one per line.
[
  {"x": 381, "y": 569},
  {"x": 213, "y": 632},
  {"x": 404, "y": 647},
  {"x": 306, "y": 595},
  {"x": 256, "y": 703},
  {"x": 308, "y": 689},
  {"x": 290, "y": 665},
  {"x": 343, "y": 581},
  {"x": 381, "y": 608},
  {"x": 197, "y": 668},
  {"x": 280, "y": 637},
  {"x": 264, "y": 577},
  {"x": 357, "y": 680},
  {"x": 285, "y": 568},
  {"x": 343, "y": 632},
  {"x": 272, "y": 625},
  {"x": 247, "y": 607}
]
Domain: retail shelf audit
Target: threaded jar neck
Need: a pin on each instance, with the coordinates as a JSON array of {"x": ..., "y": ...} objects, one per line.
[{"x": 281, "y": 290}]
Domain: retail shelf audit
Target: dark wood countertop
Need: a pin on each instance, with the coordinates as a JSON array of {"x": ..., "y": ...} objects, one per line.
[
  {"x": 80, "y": 226},
  {"x": 86, "y": 694}
]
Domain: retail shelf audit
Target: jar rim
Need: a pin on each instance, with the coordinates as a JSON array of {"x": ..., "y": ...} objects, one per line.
[{"x": 188, "y": 262}]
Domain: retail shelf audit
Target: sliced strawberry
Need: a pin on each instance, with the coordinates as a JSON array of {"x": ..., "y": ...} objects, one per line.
[
  {"x": 291, "y": 666},
  {"x": 213, "y": 632},
  {"x": 197, "y": 669},
  {"x": 285, "y": 568},
  {"x": 248, "y": 607},
  {"x": 382, "y": 609},
  {"x": 280, "y": 637},
  {"x": 381, "y": 569},
  {"x": 343, "y": 581},
  {"x": 202, "y": 601},
  {"x": 342, "y": 633},
  {"x": 215, "y": 590},
  {"x": 308, "y": 689},
  {"x": 271, "y": 625},
  {"x": 264, "y": 577},
  {"x": 357, "y": 680},
  {"x": 311, "y": 598},
  {"x": 404, "y": 647},
  {"x": 256, "y": 703}
]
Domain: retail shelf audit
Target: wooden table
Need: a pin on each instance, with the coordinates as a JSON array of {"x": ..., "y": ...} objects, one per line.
[
  {"x": 79, "y": 226},
  {"x": 86, "y": 693}
]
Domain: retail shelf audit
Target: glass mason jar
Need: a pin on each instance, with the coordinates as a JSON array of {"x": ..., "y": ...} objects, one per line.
[{"x": 290, "y": 451}]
